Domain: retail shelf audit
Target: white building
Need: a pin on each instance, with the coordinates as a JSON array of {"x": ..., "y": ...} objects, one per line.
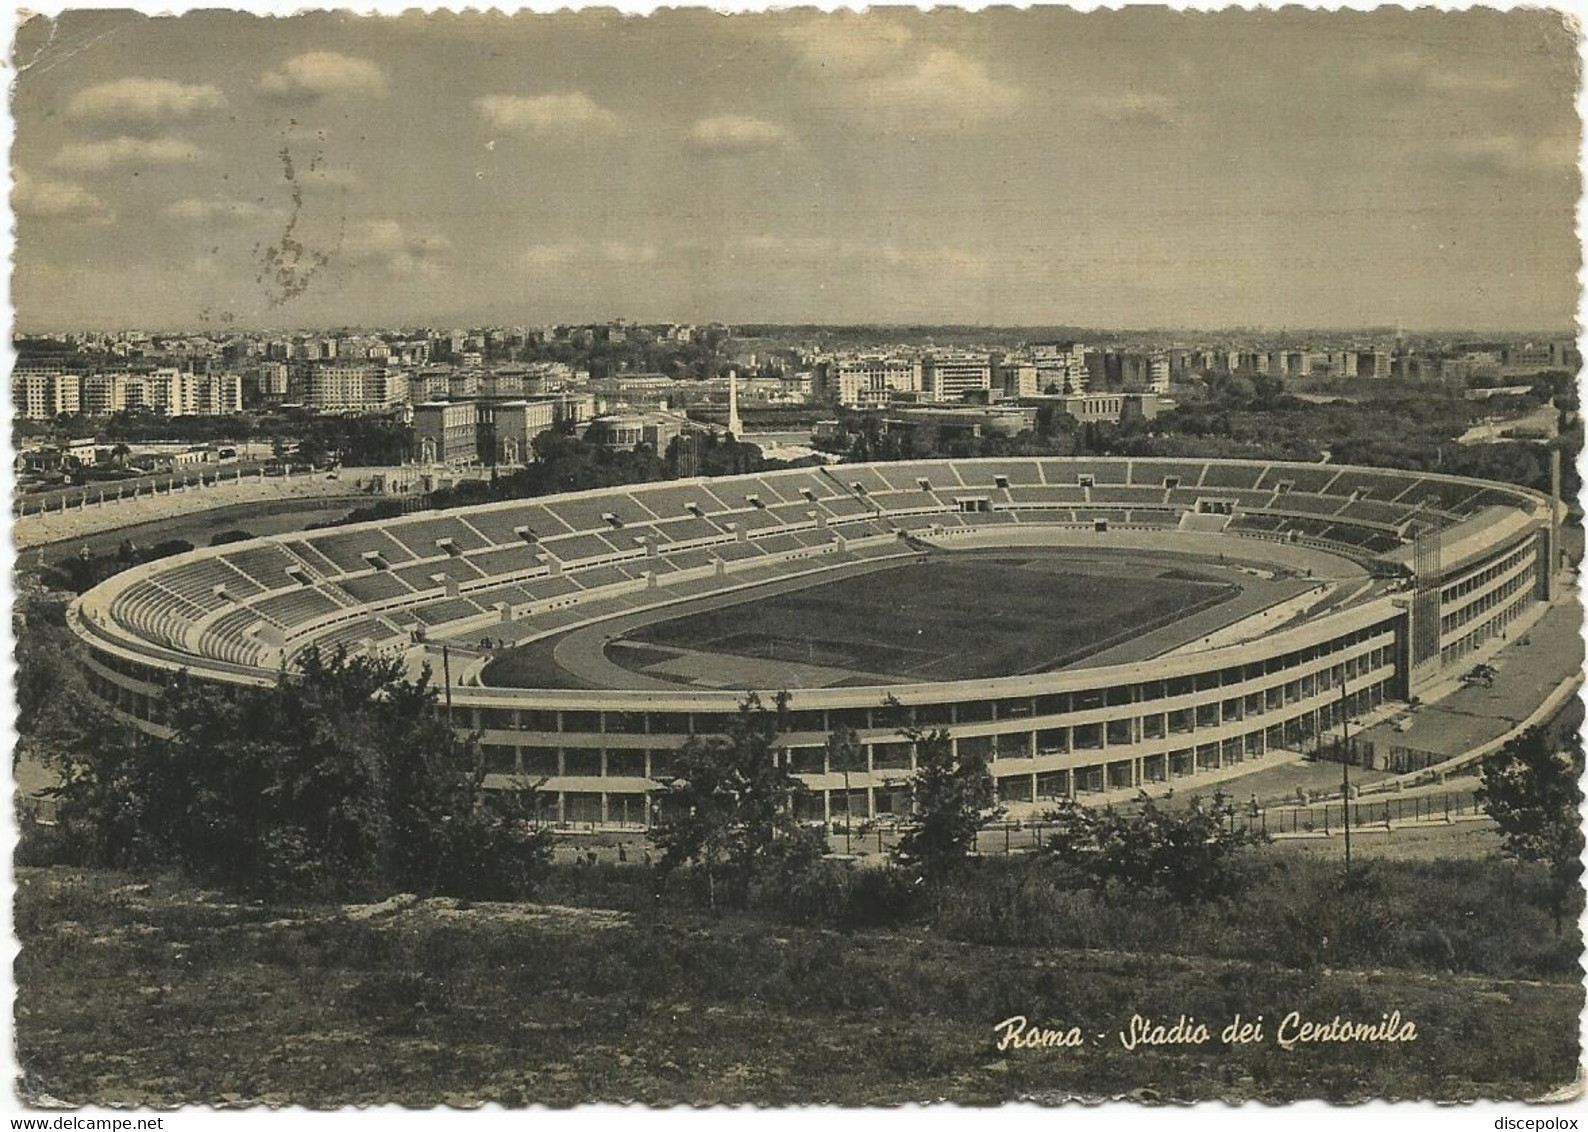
[
  {"x": 868, "y": 381},
  {"x": 949, "y": 376}
]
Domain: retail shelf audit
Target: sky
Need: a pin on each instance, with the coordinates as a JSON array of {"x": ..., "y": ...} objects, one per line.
[{"x": 1130, "y": 169}]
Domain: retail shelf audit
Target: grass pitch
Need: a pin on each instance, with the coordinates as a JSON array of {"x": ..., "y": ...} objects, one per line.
[{"x": 959, "y": 618}]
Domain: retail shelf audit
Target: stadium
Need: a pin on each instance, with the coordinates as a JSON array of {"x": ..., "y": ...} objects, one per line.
[{"x": 1089, "y": 625}]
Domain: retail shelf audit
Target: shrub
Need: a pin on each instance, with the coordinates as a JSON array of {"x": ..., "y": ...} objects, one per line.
[{"x": 1188, "y": 855}]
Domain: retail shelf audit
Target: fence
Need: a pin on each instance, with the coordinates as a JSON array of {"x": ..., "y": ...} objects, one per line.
[{"x": 1328, "y": 817}]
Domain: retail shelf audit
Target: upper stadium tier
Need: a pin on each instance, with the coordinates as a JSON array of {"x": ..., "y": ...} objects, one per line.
[{"x": 522, "y": 570}]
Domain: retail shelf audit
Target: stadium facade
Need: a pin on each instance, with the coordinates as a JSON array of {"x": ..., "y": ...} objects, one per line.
[{"x": 1446, "y": 566}]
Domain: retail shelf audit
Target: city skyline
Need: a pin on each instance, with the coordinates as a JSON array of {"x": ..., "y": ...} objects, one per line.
[{"x": 1141, "y": 169}]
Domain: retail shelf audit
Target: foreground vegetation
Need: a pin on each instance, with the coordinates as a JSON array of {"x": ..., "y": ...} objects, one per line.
[
  {"x": 184, "y": 937},
  {"x": 160, "y": 993}
]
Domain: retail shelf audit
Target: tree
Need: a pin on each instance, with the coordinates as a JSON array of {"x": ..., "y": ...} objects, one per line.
[
  {"x": 953, "y": 798},
  {"x": 1186, "y": 854},
  {"x": 727, "y": 807},
  {"x": 344, "y": 779},
  {"x": 1531, "y": 789},
  {"x": 845, "y": 755}
]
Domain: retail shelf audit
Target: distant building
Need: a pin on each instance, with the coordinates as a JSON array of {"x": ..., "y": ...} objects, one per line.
[
  {"x": 992, "y": 420},
  {"x": 1158, "y": 373},
  {"x": 626, "y": 431},
  {"x": 43, "y": 393},
  {"x": 446, "y": 432},
  {"x": 1016, "y": 377},
  {"x": 867, "y": 381},
  {"x": 509, "y": 428},
  {"x": 950, "y": 376},
  {"x": 1061, "y": 367},
  {"x": 1112, "y": 408},
  {"x": 332, "y": 388}
]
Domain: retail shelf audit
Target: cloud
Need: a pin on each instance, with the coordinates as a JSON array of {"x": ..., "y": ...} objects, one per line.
[
  {"x": 1411, "y": 72},
  {"x": 850, "y": 257},
  {"x": 214, "y": 212},
  {"x": 1508, "y": 155},
  {"x": 891, "y": 79},
  {"x": 58, "y": 200},
  {"x": 623, "y": 252},
  {"x": 849, "y": 45},
  {"x": 547, "y": 114},
  {"x": 1139, "y": 107},
  {"x": 133, "y": 101},
  {"x": 586, "y": 257},
  {"x": 545, "y": 258},
  {"x": 99, "y": 156},
  {"x": 735, "y": 133},
  {"x": 384, "y": 243},
  {"x": 305, "y": 78},
  {"x": 321, "y": 181}
]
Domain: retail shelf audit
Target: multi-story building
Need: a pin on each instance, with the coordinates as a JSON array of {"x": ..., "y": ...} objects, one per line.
[
  {"x": 1061, "y": 367},
  {"x": 218, "y": 394},
  {"x": 867, "y": 381},
  {"x": 168, "y": 391},
  {"x": 386, "y": 388},
  {"x": 1158, "y": 374},
  {"x": 43, "y": 393},
  {"x": 512, "y": 427},
  {"x": 270, "y": 382},
  {"x": 950, "y": 376},
  {"x": 1016, "y": 377},
  {"x": 1089, "y": 408},
  {"x": 104, "y": 394},
  {"x": 446, "y": 432},
  {"x": 337, "y": 388}
]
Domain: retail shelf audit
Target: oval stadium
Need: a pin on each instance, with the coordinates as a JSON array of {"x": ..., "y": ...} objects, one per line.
[{"x": 1089, "y": 625}]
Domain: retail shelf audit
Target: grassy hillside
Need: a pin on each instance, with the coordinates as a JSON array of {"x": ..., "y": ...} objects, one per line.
[{"x": 156, "y": 993}]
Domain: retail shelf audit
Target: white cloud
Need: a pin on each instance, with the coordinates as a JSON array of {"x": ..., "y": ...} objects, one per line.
[
  {"x": 1412, "y": 71},
  {"x": 849, "y": 257},
  {"x": 386, "y": 244},
  {"x": 1145, "y": 107},
  {"x": 99, "y": 156},
  {"x": 735, "y": 133},
  {"x": 888, "y": 77},
  {"x": 196, "y": 210},
  {"x": 317, "y": 74},
  {"x": 633, "y": 254},
  {"x": 141, "y": 101},
  {"x": 546, "y": 114},
  {"x": 545, "y": 258},
  {"x": 1503, "y": 154},
  {"x": 849, "y": 44},
  {"x": 319, "y": 181},
  {"x": 953, "y": 88},
  {"x": 62, "y": 200},
  {"x": 556, "y": 256}
]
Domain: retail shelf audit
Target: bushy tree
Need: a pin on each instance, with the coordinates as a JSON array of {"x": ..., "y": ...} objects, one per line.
[
  {"x": 343, "y": 779},
  {"x": 727, "y": 805},
  {"x": 1531, "y": 788},
  {"x": 952, "y": 799},
  {"x": 1187, "y": 854}
]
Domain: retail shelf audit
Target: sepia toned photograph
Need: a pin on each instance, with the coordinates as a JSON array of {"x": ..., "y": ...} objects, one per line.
[{"x": 795, "y": 558}]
